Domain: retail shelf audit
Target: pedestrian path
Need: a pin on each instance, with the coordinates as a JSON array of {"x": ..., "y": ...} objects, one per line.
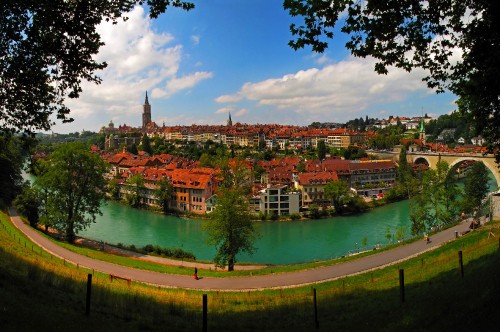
[{"x": 281, "y": 280}]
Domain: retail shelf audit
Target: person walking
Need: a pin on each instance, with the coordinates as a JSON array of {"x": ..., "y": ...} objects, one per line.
[{"x": 195, "y": 273}]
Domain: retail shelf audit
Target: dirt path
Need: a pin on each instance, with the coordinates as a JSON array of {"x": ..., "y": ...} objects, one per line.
[{"x": 282, "y": 280}]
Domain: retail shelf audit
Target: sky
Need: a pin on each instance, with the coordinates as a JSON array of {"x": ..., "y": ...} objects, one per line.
[{"x": 233, "y": 56}]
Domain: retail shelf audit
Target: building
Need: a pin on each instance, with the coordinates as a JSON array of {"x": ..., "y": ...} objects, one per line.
[
  {"x": 279, "y": 201},
  {"x": 146, "y": 113},
  {"x": 312, "y": 185}
]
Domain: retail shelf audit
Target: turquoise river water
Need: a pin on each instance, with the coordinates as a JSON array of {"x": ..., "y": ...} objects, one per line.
[{"x": 279, "y": 242}]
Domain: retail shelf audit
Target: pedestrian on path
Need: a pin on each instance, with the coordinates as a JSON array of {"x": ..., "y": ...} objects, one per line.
[{"x": 195, "y": 273}]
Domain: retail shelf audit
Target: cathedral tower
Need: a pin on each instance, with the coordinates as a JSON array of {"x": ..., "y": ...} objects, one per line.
[
  {"x": 146, "y": 113},
  {"x": 229, "y": 121}
]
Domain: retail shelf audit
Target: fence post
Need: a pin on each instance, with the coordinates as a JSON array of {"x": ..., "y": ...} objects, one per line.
[
  {"x": 402, "y": 285},
  {"x": 316, "y": 322},
  {"x": 461, "y": 263},
  {"x": 205, "y": 327},
  {"x": 89, "y": 290}
]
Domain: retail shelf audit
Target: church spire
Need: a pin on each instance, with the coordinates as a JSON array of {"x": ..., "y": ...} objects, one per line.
[
  {"x": 229, "y": 121},
  {"x": 146, "y": 102}
]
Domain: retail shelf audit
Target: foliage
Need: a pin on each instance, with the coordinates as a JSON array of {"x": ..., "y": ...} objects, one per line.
[
  {"x": 168, "y": 252},
  {"x": 132, "y": 148},
  {"x": 73, "y": 188},
  {"x": 436, "y": 202},
  {"x": 354, "y": 153},
  {"x": 231, "y": 230},
  {"x": 455, "y": 121},
  {"x": 114, "y": 189},
  {"x": 10, "y": 166},
  {"x": 475, "y": 187},
  {"x": 321, "y": 149},
  {"x": 419, "y": 34},
  {"x": 135, "y": 188},
  {"x": 338, "y": 193},
  {"x": 146, "y": 145},
  {"x": 314, "y": 212},
  {"x": 387, "y": 138},
  {"x": 163, "y": 193},
  {"x": 28, "y": 203},
  {"x": 48, "y": 49}
]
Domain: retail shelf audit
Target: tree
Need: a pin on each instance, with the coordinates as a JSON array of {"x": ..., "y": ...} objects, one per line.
[
  {"x": 135, "y": 190},
  {"x": 231, "y": 230},
  {"x": 10, "y": 166},
  {"x": 337, "y": 192},
  {"x": 419, "y": 34},
  {"x": 28, "y": 203},
  {"x": 475, "y": 187},
  {"x": 133, "y": 149},
  {"x": 321, "y": 149},
  {"x": 436, "y": 201},
  {"x": 114, "y": 189},
  {"x": 146, "y": 145},
  {"x": 163, "y": 193},
  {"x": 74, "y": 185},
  {"x": 48, "y": 48}
]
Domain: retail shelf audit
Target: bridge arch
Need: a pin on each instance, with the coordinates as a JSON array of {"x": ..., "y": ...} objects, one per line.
[{"x": 492, "y": 168}]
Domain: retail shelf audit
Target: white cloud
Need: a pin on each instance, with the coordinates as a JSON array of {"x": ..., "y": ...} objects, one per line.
[
  {"x": 241, "y": 112},
  {"x": 224, "y": 110},
  {"x": 181, "y": 83},
  {"x": 139, "y": 60},
  {"x": 195, "y": 39},
  {"x": 336, "y": 90}
]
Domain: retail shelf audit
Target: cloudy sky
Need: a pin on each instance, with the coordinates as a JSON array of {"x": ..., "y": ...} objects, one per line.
[{"x": 232, "y": 56}]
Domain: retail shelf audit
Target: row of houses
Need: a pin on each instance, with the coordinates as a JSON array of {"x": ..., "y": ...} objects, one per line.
[
  {"x": 271, "y": 136},
  {"x": 281, "y": 189}
]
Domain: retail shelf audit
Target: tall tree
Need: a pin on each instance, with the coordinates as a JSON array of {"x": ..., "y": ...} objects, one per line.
[
  {"x": 146, "y": 145},
  {"x": 163, "y": 193},
  {"x": 74, "y": 185},
  {"x": 135, "y": 190},
  {"x": 48, "y": 48},
  {"x": 231, "y": 231},
  {"x": 475, "y": 187},
  {"x": 10, "y": 166},
  {"x": 321, "y": 149},
  {"x": 419, "y": 34},
  {"x": 436, "y": 201}
]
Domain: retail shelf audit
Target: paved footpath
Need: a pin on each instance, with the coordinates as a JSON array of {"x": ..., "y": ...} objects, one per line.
[{"x": 281, "y": 280}]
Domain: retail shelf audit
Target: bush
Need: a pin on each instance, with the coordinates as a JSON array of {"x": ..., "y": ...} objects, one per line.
[
  {"x": 168, "y": 252},
  {"x": 295, "y": 216}
]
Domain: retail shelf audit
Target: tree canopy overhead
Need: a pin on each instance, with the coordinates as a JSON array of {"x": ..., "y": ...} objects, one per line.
[
  {"x": 456, "y": 41},
  {"x": 47, "y": 49}
]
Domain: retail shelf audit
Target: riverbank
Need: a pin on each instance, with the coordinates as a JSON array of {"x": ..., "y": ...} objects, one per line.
[{"x": 118, "y": 250}]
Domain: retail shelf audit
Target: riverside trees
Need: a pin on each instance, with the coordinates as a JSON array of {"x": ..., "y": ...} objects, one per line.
[{"x": 73, "y": 187}]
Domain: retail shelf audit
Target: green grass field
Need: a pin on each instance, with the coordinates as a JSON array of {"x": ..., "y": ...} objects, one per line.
[{"x": 42, "y": 293}]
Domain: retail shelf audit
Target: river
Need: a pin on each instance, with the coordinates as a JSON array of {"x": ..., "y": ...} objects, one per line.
[
  {"x": 279, "y": 242},
  {"x": 288, "y": 242}
]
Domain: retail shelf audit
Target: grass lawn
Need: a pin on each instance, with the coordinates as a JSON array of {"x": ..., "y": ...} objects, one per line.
[{"x": 41, "y": 293}]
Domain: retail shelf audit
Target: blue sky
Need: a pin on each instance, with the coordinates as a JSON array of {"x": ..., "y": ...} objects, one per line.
[{"x": 232, "y": 56}]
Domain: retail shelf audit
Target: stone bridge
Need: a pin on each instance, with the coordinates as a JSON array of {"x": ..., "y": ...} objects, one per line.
[{"x": 453, "y": 159}]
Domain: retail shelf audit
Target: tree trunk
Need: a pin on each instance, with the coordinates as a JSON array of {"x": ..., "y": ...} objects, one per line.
[{"x": 230, "y": 264}]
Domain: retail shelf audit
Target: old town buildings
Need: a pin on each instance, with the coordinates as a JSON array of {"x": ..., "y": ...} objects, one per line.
[{"x": 280, "y": 189}]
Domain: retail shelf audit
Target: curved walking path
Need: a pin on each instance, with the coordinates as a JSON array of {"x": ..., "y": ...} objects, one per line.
[{"x": 281, "y": 280}]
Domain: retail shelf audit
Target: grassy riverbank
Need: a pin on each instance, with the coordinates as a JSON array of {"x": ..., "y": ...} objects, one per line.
[{"x": 39, "y": 292}]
